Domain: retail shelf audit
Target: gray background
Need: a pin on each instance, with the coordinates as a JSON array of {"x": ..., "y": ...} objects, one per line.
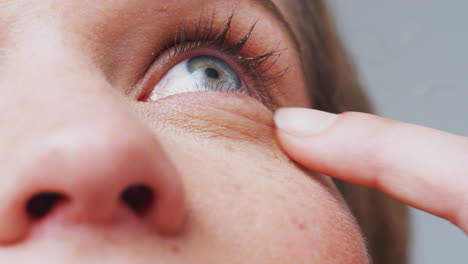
[{"x": 413, "y": 58}]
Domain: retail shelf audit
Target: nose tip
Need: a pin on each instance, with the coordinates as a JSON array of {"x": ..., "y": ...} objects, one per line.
[{"x": 113, "y": 181}]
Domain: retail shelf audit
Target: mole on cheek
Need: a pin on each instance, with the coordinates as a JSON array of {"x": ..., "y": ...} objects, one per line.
[
  {"x": 229, "y": 148},
  {"x": 299, "y": 224},
  {"x": 237, "y": 187},
  {"x": 175, "y": 249}
]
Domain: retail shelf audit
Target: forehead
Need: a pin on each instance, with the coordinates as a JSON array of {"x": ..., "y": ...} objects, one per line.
[{"x": 111, "y": 17}]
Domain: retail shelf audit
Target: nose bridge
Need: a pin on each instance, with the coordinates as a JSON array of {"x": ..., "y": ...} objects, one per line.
[
  {"x": 39, "y": 62},
  {"x": 48, "y": 64},
  {"x": 41, "y": 40},
  {"x": 48, "y": 83}
]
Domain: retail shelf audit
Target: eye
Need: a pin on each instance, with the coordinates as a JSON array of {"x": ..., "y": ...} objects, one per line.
[
  {"x": 227, "y": 64},
  {"x": 199, "y": 73}
]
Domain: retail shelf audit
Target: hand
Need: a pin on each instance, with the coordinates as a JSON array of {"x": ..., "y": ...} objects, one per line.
[{"x": 422, "y": 167}]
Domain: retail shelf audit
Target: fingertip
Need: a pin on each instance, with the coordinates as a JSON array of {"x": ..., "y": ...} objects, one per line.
[{"x": 303, "y": 122}]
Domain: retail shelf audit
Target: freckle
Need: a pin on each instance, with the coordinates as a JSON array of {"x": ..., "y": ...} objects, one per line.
[
  {"x": 302, "y": 226},
  {"x": 229, "y": 148},
  {"x": 175, "y": 249},
  {"x": 275, "y": 156}
]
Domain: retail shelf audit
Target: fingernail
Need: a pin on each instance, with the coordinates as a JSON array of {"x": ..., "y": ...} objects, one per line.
[{"x": 303, "y": 122}]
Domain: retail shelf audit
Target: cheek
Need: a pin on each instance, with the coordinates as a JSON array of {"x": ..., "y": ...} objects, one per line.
[{"x": 250, "y": 204}]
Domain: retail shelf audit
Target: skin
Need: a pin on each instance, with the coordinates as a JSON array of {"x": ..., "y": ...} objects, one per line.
[{"x": 72, "y": 123}]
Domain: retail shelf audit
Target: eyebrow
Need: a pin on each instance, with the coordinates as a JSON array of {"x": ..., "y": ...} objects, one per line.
[{"x": 273, "y": 9}]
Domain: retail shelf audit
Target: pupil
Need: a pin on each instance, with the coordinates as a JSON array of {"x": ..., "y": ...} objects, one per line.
[{"x": 212, "y": 73}]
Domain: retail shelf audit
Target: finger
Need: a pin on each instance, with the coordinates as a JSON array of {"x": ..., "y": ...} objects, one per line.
[{"x": 422, "y": 167}]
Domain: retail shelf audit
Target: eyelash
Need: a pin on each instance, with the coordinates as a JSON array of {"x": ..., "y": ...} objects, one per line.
[{"x": 259, "y": 69}]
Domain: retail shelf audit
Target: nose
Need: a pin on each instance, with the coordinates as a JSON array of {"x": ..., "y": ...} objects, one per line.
[
  {"x": 105, "y": 172},
  {"x": 90, "y": 176}
]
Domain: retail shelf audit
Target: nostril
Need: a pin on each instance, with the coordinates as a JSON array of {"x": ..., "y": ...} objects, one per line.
[
  {"x": 139, "y": 198},
  {"x": 43, "y": 203}
]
